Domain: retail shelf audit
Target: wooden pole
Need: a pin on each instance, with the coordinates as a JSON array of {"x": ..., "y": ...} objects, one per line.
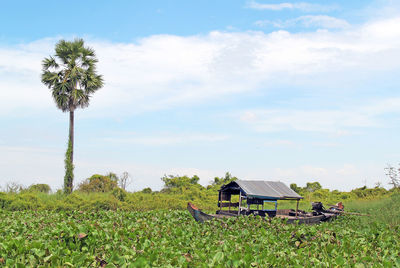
[
  {"x": 297, "y": 207},
  {"x": 220, "y": 201},
  {"x": 240, "y": 202},
  {"x": 230, "y": 203}
]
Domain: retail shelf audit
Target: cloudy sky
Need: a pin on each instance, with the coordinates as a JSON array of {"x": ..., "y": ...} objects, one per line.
[{"x": 292, "y": 91}]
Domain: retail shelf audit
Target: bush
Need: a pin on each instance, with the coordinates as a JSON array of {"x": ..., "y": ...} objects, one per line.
[
  {"x": 101, "y": 202},
  {"x": 72, "y": 201},
  {"x": 5, "y": 200},
  {"x": 25, "y": 201},
  {"x": 119, "y": 193},
  {"x": 147, "y": 190},
  {"x": 98, "y": 183},
  {"x": 42, "y": 188}
]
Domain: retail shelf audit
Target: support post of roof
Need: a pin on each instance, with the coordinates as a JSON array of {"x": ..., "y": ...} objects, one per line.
[
  {"x": 297, "y": 207},
  {"x": 240, "y": 202},
  {"x": 220, "y": 201}
]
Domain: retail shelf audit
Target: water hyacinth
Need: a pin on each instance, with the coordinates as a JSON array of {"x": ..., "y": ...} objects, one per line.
[{"x": 172, "y": 238}]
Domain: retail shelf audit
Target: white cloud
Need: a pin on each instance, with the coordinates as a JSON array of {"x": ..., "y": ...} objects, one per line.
[
  {"x": 168, "y": 139},
  {"x": 163, "y": 71},
  {"x": 317, "y": 21},
  {"x": 303, "y": 6},
  {"x": 342, "y": 177},
  {"x": 338, "y": 122}
]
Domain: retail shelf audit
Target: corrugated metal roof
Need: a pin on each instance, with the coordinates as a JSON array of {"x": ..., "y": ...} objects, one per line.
[{"x": 268, "y": 189}]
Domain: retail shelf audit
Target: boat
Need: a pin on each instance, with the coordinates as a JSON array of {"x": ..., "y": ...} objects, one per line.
[
  {"x": 289, "y": 215},
  {"x": 199, "y": 215},
  {"x": 258, "y": 193}
]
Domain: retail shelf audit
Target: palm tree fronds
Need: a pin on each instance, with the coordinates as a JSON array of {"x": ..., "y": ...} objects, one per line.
[
  {"x": 77, "y": 80},
  {"x": 48, "y": 63}
]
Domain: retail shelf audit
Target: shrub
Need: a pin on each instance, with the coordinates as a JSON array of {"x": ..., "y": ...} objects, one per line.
[
  {"x": 147, "y": 190},
  {"x": 5, "y": 200},
  {"x": 42, "y": 188},
  {"x": 72, "y": 201},
  {"x": 119, "y": 193},
  {"x": 101, "y": 202},
  {"x": 25, "y": 201},
  {"x": 98, "y": 183}
]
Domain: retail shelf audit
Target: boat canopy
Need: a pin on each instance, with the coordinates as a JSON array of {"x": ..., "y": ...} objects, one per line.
[{"x": 258, "y": 189}]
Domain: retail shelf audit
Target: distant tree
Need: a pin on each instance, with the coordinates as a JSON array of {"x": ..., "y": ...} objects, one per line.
[
  {"x": 224, "y": 180},
  {"x": 124, "y": 180},
  {"x": 313, "y": 186},
  {"x": 180, "y": 184},
  {"x": 14, "y": 187},
  {"x": 98, "y": 183},
  {"x": 71, "y": 75},
  {"x": 43, "y": 188},
  {"x": 295, "y": 188},
  {"x": 119, "y": 193},
  {"x": 394, "y": 175},
  {"x": 147, "y": 190}
]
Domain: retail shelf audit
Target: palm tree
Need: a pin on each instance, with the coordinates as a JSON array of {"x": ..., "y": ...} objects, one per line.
[{"x": 71, "y": 76}]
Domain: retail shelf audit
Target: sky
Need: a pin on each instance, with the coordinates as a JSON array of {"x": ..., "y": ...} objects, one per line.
[{"x": 295, "y": 91}]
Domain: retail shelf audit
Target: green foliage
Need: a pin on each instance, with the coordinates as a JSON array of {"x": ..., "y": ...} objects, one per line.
[
  {"x": 71, "y": 74},
  {"x": 113, "y": 176},
  {"x": 25, "y": 201},
  {"x": 147, "y": 190},
  {"x": 314, "y": 192},
  {"x": 69, "y": 169},
  {"x": 218, "y": 182},
  {"x": 5, "y": 200},
  {"x": 42, "y": 188},
  {"x": 224, "y": 180},
  {"x": 119, "y": 194},
  {"x": 383, "y": 210},
  {"x": 295, "y": 188},
  {"x": 172, "y": 181},
  {"x": 100, "y": 202},
  {"x": 98, "y": 183},
  {"x": 171, "y": 238},
  {"x": 313, "y": 186},
  {"x": 180, "y": 191},
  {"x": 95, "y": 228}
]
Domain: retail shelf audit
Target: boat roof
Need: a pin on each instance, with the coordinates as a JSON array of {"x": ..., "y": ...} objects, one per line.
[{"x": 259, "y": 189}]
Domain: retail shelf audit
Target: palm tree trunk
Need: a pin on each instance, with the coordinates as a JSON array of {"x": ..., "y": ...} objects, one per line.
[
  {"x": 71, "y": 153},
  {"x": 71, "y": 133}
]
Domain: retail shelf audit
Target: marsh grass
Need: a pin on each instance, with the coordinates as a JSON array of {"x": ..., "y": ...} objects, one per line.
[{"x": 385, "y": 210}]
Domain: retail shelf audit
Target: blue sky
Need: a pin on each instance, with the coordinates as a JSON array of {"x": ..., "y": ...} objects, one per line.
[{"x": 295, "y": 91}]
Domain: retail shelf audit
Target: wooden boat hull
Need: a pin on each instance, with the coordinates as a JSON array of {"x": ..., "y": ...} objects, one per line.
[
  {"x": 200, "y": 216},
  {"x": 197, "y": 214},
  {"x": 302, "y": 220}
]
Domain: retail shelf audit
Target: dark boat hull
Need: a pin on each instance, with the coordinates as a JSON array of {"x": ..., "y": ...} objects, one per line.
[
  {"x": 302, "y": 220},
  {"x": 197, "y": 214},
  {"x": 200, "y": 216}
]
